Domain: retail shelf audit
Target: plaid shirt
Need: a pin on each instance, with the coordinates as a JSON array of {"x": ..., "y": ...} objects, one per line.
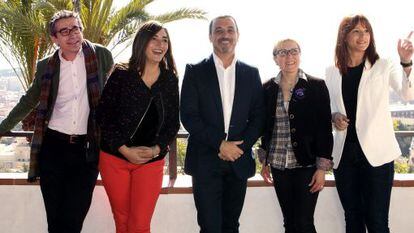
[{"x": 281, "y": 154}]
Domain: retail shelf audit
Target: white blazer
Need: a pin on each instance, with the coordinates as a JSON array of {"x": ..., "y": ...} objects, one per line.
[{"x": 374, "y": 127}]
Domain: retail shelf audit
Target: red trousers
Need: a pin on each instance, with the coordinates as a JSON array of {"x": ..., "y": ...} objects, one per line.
[{"x": 132, "y": 190}]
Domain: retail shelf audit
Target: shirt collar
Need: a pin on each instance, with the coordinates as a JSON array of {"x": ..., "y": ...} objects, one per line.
[
  {"x": 79, "y": 54},
  {"x": 219, "y": 63},
  {"x": 301, "y": 75}
]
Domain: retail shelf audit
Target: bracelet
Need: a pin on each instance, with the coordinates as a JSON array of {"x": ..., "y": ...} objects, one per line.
[
  {"x": 153, "y": 152},
  {"x": 405, "y": 65}
]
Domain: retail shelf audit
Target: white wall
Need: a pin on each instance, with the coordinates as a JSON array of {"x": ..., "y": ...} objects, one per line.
[{"x": 21, "y": 210}]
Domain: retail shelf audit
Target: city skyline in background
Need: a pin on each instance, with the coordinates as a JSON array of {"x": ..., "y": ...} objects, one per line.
[{"x": 313, "y": 24}]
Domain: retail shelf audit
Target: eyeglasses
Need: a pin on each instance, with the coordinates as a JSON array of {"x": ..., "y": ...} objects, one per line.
[
  {"x": 285, "y": 52},
  {"x": 68, "y": 31}
]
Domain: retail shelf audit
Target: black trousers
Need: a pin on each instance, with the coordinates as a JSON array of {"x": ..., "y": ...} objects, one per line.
[
  {"x": 219, "y": 200},
  {"x": 364, "y": 191},
  {"x": 67, "y": 182},
  {"x": 296, "y": 201}
]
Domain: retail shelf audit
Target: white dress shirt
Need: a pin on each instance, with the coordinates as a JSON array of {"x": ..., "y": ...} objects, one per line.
[
  {"x": 71, "y": 110},
  {"x": 227, "y": 80}
]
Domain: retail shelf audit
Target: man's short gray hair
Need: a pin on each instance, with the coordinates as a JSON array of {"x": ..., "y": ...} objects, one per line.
[{"x": 63, "y": 14}]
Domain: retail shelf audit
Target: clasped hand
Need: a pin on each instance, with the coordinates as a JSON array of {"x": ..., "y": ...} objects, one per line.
[
  {"x": 229, "y": 150},
  {"x": 340, "y": 121},
  {"x": 139, "y": 154}
]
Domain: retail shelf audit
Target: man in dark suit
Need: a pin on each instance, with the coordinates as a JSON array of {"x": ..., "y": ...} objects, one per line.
[{"x": 222, "y": 109}]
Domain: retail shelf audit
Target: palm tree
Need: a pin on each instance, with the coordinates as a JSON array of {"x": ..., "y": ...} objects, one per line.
[
  {"x": 105, "y": 26},
  {"x": 24, "y": 38}
]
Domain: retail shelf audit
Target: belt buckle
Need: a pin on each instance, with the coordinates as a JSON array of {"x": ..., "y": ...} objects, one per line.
[{"x": 72, "y": 139}]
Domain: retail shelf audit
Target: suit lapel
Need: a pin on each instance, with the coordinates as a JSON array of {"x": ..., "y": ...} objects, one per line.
[
  {"x": 238, "y": 94},
  {"x": 299, "y": 93},
  {"x": 337, "y": 86},
  {"x": 340, "y": 100},
  {"x": 214, "y": 87},
  {"x": 364, "y": 81},
  {"x": 55, "y": 85},
  {"x": 272, "y": 92}
]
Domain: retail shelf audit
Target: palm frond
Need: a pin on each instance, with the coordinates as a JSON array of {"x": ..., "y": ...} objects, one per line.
[
  {"x": 183, "y": 13},
  {"x": 127, "y": 17},
  {"x": 94, "y": 16},
  {"x": 125, "y": 34},
  {"x": 22, "y": 33}
]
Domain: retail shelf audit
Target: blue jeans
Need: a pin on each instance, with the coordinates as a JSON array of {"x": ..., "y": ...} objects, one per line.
[{"x": 364, "y": 191}]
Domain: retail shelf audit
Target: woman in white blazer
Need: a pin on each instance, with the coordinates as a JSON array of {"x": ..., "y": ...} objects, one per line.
[{"x": 364, "y": 142}]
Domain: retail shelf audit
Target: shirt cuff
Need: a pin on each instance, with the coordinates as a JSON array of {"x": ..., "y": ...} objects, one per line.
[
  {"x": 324, "y": 164},
  {"x": 261, "y": 154}
]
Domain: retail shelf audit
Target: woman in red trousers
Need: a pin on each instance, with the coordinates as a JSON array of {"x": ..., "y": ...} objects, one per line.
[{"x": 138, "y": 116}]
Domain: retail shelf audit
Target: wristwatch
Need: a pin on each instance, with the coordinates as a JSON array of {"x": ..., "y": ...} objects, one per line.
[{"x": 405, "y": 65}]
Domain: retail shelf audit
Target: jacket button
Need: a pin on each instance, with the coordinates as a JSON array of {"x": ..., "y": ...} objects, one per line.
[
  {"x": 291, "y": 116},
  {"x": 295, "y": 144},
  {"x": 293, "y": 130}
]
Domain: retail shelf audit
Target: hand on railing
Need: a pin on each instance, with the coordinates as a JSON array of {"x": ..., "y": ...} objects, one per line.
[{"x": 4, "y": 134}]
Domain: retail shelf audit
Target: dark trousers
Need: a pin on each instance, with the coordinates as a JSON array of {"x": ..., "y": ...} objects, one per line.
[
  {"x": 67, "y": 182},
  {"x": 364, "y": 191},
  {"x": 219, "y": 200},
  {"x": 295, "y": 199}
]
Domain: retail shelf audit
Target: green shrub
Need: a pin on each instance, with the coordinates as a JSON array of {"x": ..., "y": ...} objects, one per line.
[
  {"x": 401, "y": 166},
  {"x": 181, "y": 149}
]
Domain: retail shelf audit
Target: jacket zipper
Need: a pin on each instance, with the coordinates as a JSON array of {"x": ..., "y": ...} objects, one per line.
[
  {"x": 162, "y": 119},
  {"x": 142, "y": 118}
]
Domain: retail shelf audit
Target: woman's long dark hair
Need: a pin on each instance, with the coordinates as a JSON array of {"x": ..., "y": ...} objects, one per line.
[
  {"x": 341, "y": 49},
  {"x": 138, "y": 58}
]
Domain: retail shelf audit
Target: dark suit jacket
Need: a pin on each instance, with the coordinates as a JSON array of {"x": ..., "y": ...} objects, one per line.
[
  {"x": 309, "y": 119},
  {"x": 202, "y": 117}
]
